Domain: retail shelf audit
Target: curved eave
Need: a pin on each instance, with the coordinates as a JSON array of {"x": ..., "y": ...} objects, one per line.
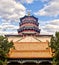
[
  {"x": 28, "y": 22},
  {"x": 28, "y": 16},
  {"x": 20, "y": 30}
]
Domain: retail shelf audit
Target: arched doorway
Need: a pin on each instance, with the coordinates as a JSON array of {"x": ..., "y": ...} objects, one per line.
[
  {"x": 13, "y": 63},
  {"x": 45, "y": 63},
  {"x": 29, "y": 63}
]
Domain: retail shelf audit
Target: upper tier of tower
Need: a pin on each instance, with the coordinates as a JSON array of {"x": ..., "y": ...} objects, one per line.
[{"x": 28, "y": 26}]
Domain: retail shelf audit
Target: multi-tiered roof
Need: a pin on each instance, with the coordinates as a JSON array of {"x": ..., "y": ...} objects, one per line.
[
  {"x": 31, "y": 45},
  {"x": 29, "y": 25}
]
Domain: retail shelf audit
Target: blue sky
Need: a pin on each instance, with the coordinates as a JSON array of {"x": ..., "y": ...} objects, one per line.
[{"x": 47, "y": 12}]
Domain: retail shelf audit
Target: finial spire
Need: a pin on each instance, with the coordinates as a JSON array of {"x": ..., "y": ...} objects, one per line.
[{"x": 28, "y": 12}]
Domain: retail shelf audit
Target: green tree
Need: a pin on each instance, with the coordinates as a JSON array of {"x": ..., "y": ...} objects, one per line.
[
  {"x": 54, "y": 44},
  {"x": 5, "y": 46}
]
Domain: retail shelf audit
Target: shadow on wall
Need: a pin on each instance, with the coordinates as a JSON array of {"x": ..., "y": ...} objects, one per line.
[
  {"x": 14, "y": 63},
  {"x": 45, "y": 63},
  {"x": 29, "y": 63}
]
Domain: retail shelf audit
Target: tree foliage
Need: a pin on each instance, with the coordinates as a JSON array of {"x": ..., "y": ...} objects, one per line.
[
  {"x": 5, "y": 46},
  {"x": 54, "y": 44}
]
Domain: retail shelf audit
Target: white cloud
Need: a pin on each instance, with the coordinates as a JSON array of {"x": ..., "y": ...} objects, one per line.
[
  {"x": 26, "y": 1},
  {"x": 8, "y": 33},
  {"x": 29, "y": 1},
  {"x": 7, "y": 28},
  {"x": 51, "y": 28},
  {"x": 11, "y": 10},
  {"x": 51, "y": 9},
  {"x": 44, "y": 32}
]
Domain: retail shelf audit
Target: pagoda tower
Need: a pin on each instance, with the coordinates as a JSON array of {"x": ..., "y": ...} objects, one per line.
[
  {"x": 31, "y": 48},
  {"x": 28, "y": 25}
]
